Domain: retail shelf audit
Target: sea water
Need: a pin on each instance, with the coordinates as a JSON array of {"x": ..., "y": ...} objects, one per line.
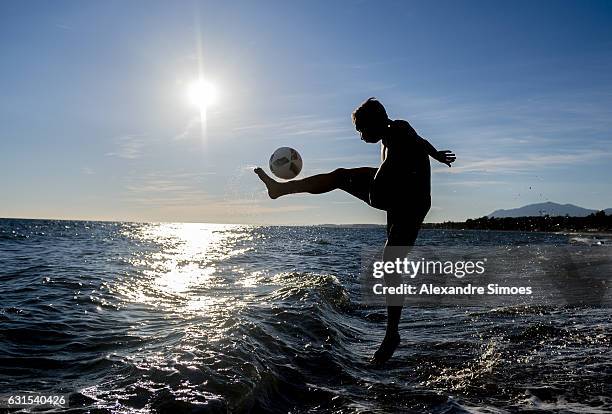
[{"x": 170, "y": 317}]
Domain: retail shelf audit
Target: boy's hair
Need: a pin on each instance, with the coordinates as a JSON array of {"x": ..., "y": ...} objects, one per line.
[{"x": 368, "y": 111}]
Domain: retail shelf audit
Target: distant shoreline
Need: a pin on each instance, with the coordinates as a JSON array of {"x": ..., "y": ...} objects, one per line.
[{"x": 594, "y": 224}]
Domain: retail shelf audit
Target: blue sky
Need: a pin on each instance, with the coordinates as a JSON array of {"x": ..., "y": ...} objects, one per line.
[{"x": 95, "y": 123}]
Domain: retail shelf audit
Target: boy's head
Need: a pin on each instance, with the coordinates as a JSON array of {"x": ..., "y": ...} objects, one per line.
[{"x": 371, "y": 120}]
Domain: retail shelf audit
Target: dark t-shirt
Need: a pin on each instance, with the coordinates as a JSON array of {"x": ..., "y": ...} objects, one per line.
[{"x": 406, "y": 151}]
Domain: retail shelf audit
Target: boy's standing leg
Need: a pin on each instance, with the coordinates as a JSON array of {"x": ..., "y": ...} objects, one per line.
[{"x": 402, "y": 230}]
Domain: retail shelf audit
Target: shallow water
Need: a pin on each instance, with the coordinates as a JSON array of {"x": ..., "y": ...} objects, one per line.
[{"x": 164, "y": 317}]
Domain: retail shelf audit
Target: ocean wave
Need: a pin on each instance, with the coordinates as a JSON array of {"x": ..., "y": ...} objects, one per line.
[{"x": 129, "y": 317}]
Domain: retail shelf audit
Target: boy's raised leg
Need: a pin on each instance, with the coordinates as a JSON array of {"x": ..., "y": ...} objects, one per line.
[{"x": 355, "y": 181}]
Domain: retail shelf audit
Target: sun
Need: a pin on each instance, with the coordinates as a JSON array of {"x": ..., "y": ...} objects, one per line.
[{"x": 202, "y": 94}]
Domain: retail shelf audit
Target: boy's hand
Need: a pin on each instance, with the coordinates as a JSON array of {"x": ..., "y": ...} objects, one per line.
[{"x": 445, "y": 157}]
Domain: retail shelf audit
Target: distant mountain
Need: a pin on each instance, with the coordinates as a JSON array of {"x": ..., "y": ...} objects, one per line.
[{"x": 550, "y": 208}]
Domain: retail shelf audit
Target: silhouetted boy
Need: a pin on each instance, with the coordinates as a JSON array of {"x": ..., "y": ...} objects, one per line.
[{"x": 400, "y": 186}]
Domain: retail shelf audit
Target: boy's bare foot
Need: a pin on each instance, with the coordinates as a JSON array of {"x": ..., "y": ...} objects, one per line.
[
  {"x": 272, "y": 185},
  {"x": 386, "y": 349}
]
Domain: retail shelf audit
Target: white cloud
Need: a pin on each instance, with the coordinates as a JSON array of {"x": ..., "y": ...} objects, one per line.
[
  {"x": 192, "y": 125},
  {"x": 128, "y": 147},
  {"x": 524, "y": 163},
  {"x": 299, "y": 125}
]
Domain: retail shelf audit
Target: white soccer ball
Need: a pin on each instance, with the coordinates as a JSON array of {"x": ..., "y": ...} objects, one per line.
[{"x": 285, "y": 163}]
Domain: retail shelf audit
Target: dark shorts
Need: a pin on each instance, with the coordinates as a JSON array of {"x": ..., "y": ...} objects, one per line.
[{"x": 404, "y": 220}]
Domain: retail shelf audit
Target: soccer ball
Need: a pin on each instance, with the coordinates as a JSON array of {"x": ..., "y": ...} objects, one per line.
[{"x": 285, "y": 163}]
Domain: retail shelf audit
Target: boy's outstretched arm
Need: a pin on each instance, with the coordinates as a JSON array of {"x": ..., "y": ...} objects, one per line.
[{"x": 446, "y": 157}]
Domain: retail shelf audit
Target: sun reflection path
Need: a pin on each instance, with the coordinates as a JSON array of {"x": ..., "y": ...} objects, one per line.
[{"x": 179, "y": 270}]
